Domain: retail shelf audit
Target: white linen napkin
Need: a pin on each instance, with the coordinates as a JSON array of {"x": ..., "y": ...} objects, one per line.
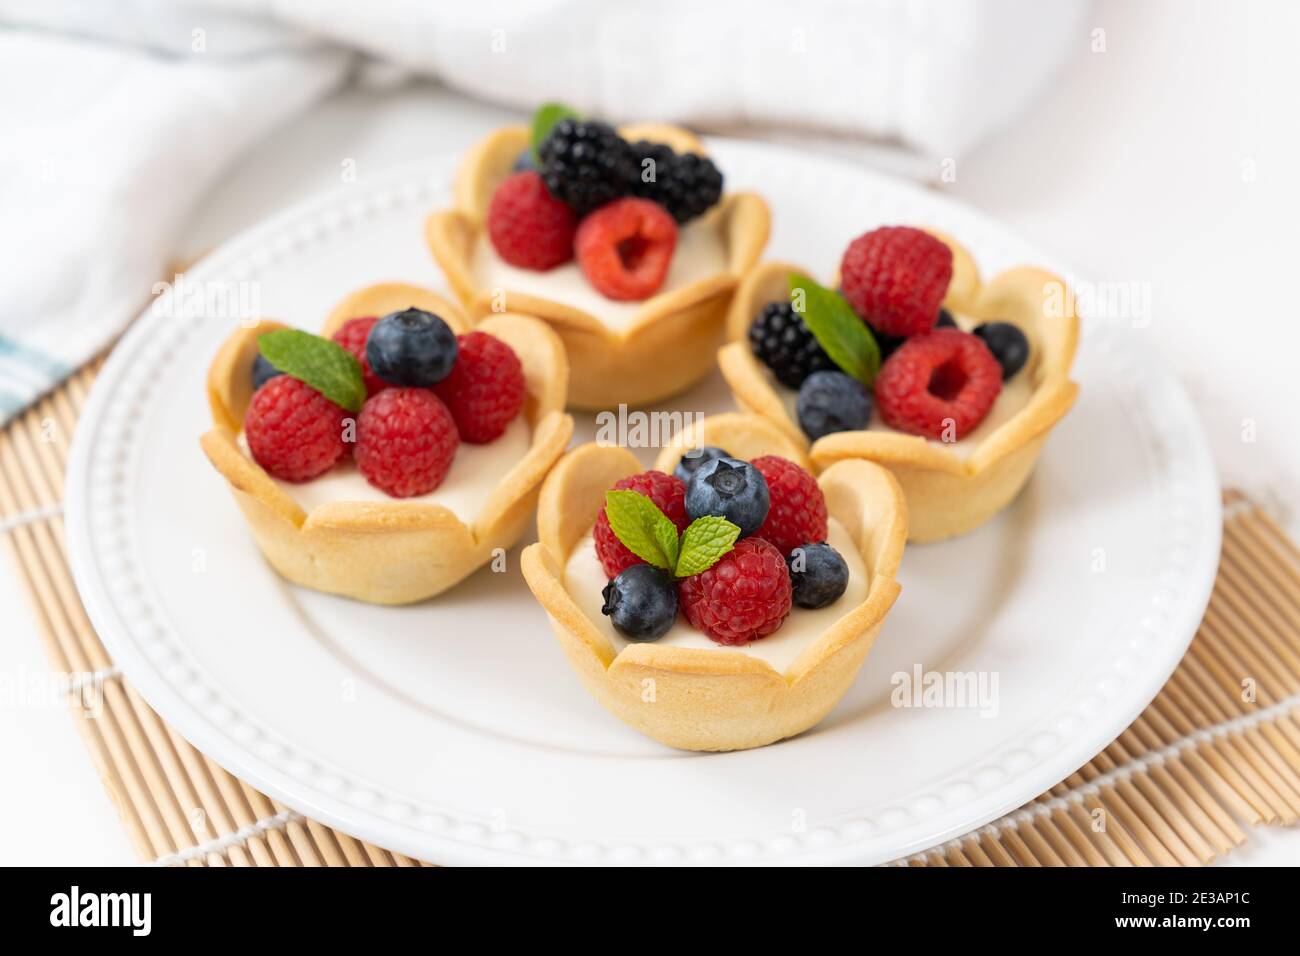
[{"x": 117, "y": 117}]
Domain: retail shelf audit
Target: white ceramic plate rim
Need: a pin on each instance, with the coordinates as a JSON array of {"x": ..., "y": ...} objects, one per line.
[{"x": 114, "y": 603}]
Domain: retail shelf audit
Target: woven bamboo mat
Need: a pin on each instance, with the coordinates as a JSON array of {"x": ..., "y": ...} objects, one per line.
[{"x": 1216, "y": 752}]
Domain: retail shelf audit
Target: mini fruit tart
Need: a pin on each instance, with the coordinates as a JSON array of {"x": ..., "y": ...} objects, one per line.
[
  {"x": 952, "y": 383},
  {"x": 389, "y": 457},
  {"x": 622, "y": 241},
  {"x": 727, "y": 599}
]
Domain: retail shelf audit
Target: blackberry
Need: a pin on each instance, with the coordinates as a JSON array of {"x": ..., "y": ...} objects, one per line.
[
  {"x": 586, "y": 164},
  {"x": 784, "y": 344},
  {"x": 687, "y": 185}
]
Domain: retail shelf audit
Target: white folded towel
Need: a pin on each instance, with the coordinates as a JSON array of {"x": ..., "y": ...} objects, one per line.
[{"x": 117, "y": 117}]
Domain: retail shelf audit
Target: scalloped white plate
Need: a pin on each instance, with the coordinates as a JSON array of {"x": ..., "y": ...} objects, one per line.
[{"x": 455, "y": 732}]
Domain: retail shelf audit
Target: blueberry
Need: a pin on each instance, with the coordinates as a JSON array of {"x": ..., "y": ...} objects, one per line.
[
  {"x": 693, "y": 459},
  {"x": 818, "y": 575},
  {"x": 731, "y": 489},
  {"x": 524, "y": 162},
  {"x": 832, "y": 402},
  {"x": 641, "y": 602},
  {"x": 411, "y": 348},
  {"x": 263, "y": 372},
  {"x": 945, "y": 320},
  {"x": 1008, "y": 345}
]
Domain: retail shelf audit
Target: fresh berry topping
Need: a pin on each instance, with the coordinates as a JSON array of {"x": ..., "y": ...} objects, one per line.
[
  {"x": 731, "y": 489},
  {"x": 411, "y": 348},
  {"x": 294, "y": 431},
  {"x": 485, "y": 389},
  {"x": 529, "y": 227},
  {"x": 524, "y": 163},
  {"x": 626, "y": 247},
  {"x": 940, "y": 385},
  {"x": 832, "y": 402},
  {"x": 406, "y": 440},
  {"x": 1007, "y": 343},
  {"x": 890, "y": 343},
  {"x": 693, "y": 459},
  {"x": 586, "y": 164},
  {"x": 666, "y": 491},
  {"x": 818, "y": 575},
  {"x": 798, "y": 510},
  {"x": 352, "y": 335},
  {"x": 895, "y": 278},
  {"x": 263, "y": 371},
  {"x": 687, "y": 185},
  {"x": 641, "y": 602},
  {"x": 782, "y": 341},
  {"x": 743, "y": 597}
]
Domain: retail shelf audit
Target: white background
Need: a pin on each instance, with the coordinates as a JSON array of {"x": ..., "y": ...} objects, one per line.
[{"x": 1169, "y": 159}]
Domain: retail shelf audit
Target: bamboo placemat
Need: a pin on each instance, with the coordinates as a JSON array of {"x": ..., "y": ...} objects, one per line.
[{"x": 1218, "y": 750}]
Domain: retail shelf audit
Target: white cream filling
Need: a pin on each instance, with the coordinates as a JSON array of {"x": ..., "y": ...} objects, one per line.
[
  {"x": 699, "y": 254},
  {"x": 475, "y": 473},
  {"x": 1014, "y": 396},
  {"x": 584, "y": 580}
]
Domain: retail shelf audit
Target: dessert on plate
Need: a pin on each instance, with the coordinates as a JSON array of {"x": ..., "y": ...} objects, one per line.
[
  {"x": 394, "y": 454},
  {"x": 911, "y": 361},
  {"x": 726, "y": 599},
  {"x": 623, "y": 241}
]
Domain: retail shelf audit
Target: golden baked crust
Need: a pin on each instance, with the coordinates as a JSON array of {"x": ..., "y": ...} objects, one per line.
[
  {"x": 388, "y": 552},
  {"x": 669, "y": 345},
  {"x": 723, "y": 699},
  {"x": 946, "y": 494}
]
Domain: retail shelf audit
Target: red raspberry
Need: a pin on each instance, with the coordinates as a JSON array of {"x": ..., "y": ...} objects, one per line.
[
  {"x": 797, "y": 514},
  {"x": 485, "y": 389},
  {"x": 743, "y": 597},
  {"x": 352, "y": 335},
  {"x": 666, "y": 491},
  {"x": 294, "y": 431},
  {"x": 625, "y": 248},
  {"x": 945, "y": 376},
  {"x": 896, "y": 277},
  {"x": 406, "y": 440},
  {"x": 528, "y": 226}
]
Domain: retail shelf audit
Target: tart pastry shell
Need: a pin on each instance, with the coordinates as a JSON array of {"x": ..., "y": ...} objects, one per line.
[
  {"x": 388, "y": 552},
  {"x": 947, "y": 494},
  {"x": 670, "y": 343},
  {"x": 723, "y": 698}
]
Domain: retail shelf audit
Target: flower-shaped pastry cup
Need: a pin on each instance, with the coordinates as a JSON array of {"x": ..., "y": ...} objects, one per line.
[
  {"x": 947, "y": 493},
  {"x": 388, "y": 552},
  {"x": 670, "y": 342},
  {"x": 716, "y": 698}
]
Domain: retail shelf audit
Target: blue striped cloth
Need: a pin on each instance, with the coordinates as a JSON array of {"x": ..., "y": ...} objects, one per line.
[
  {"x": 100, "y": 162},
  {"x": 25, "y": 375}
]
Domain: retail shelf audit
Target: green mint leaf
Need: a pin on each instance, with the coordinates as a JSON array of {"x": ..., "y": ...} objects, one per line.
[
  {"x": 837, "y": 328},
  {"x": 644, "y": 530},
  {"x": 704, "y": 542},
  {"x": 665, "y": 533},
  {"x": 324, "y": 365},
  {"x": 546, "y": 116}
]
